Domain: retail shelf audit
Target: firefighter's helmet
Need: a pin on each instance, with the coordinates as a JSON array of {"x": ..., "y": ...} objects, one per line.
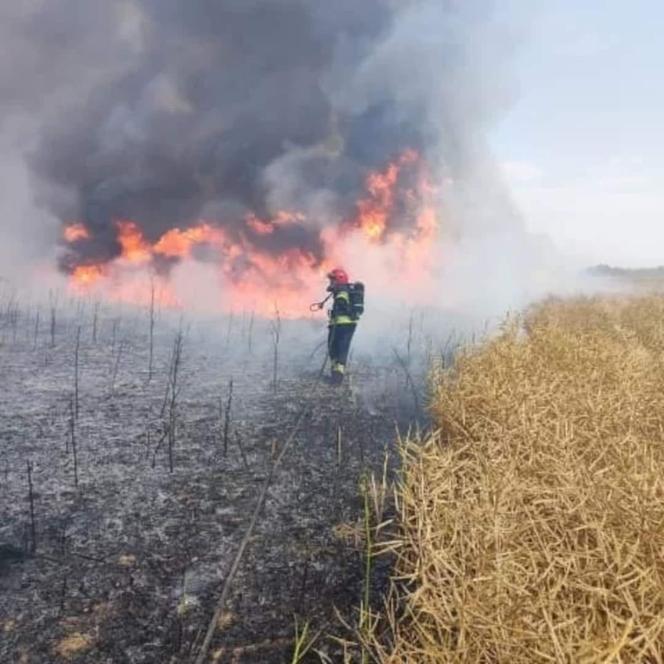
[{"x": 338, "y": 276}]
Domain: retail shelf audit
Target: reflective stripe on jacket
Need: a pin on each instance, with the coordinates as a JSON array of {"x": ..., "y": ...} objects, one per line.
[{"x": 340, "y": 314}]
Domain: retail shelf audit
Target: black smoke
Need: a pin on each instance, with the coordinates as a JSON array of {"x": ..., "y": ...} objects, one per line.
[{"x": 166, "y": 112}]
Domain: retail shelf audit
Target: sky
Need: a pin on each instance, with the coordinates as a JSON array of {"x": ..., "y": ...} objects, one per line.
[{"x": 582, "y": 145}]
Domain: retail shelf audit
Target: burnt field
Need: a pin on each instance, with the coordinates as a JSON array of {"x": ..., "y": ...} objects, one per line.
[{"x": 127, "y": 484}]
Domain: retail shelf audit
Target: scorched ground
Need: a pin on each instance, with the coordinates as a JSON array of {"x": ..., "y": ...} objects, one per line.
[{"x": 127, "y": 564}]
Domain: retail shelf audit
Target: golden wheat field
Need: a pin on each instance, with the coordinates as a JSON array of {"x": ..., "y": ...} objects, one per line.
[{"x": 531, "y": 525}]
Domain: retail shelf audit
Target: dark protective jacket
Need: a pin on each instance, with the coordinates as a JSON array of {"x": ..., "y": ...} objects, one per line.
[{"x": 341, "y": 311}]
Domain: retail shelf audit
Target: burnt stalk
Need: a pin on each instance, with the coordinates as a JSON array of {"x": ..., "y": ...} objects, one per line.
[
  {"x": 72, "y": 435},
  {"x": 31, "y": 500},
  {"x": 227, "y": 416},
  {"x": 95, "y": 322},
  {"x": 276, "y": 337},
  {"x": 151, "y": 332},
  {"x": 53, "y": 308},
  {"x": 76, "y": 365},
  {"x": 116, "y": 365},
  {"x": 36, "y": 330},
  {"x": 172, "y": 409}
]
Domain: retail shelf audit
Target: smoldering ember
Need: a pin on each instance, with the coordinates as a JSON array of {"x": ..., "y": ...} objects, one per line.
[{"x": 193, "y": 468}]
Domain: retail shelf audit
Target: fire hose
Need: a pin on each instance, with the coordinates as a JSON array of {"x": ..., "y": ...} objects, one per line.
[
  {"x": 317, "y": 306},
  {"x": 221, "y": 603}
]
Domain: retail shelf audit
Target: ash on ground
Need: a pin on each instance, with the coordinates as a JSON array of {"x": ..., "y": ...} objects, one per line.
[{"x": 122, "y": 508}]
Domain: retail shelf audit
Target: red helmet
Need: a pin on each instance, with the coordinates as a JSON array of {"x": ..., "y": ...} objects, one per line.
[{"x": 338, "y": 276}]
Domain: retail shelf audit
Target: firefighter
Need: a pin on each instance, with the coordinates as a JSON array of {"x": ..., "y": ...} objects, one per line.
[{"x": 343, "y": 322}]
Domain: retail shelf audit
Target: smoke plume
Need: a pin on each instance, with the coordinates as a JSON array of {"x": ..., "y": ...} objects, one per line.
[{"x": 167, "y": 113}]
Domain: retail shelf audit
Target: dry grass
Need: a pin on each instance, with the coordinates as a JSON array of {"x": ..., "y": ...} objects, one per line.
[
  {"x": 73, "y": 645},
  {"x": 532, "y": 525}
]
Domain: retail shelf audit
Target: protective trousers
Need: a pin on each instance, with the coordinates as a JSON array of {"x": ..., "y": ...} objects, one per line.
[{"x": 338, "y": 343}]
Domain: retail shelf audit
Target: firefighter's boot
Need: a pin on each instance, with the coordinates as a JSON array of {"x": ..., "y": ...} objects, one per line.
[{"x": 338, "y": 371}]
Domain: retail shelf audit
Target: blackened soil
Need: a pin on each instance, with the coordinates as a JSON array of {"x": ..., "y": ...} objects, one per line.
[{"x": 127, "y": 563}]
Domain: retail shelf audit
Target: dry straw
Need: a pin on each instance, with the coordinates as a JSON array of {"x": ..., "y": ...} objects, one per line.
[{"x": 532, "y": 525}]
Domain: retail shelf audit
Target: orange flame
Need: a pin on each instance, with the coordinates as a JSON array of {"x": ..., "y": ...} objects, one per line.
[
  {"x": 286, "y": 283},
  {"x": 376, "y": 209},
  {"x": 134, "y": 247},
  {"x": 267, "y": 226},
  {"x": 87, "y": 275},
  {"x": 393, "y": 232},
  {"x": 259, "y": 226},
  {"x": 75, "y": 232},
  {"x": 178, "y": 243}
]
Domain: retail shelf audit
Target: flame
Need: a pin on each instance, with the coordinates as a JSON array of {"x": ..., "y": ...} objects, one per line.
[
  {"x": 376, "y": 209},
  {"x": 285, "y": 217},
  {"x": 286, "y": 283},
  {"x": 75, "y": 232},
  {"x": 259, "y": 226},
  {"x": 254, "y": 280},
  {"x": 268, "y": 226},
  {"x": 393, "y": 231},
  {"x": 178, "y": 243},
  {"x": 134, "y": 247},
  {"x": 87, "y": 275},
  {"x": 116, "y": 285}
]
